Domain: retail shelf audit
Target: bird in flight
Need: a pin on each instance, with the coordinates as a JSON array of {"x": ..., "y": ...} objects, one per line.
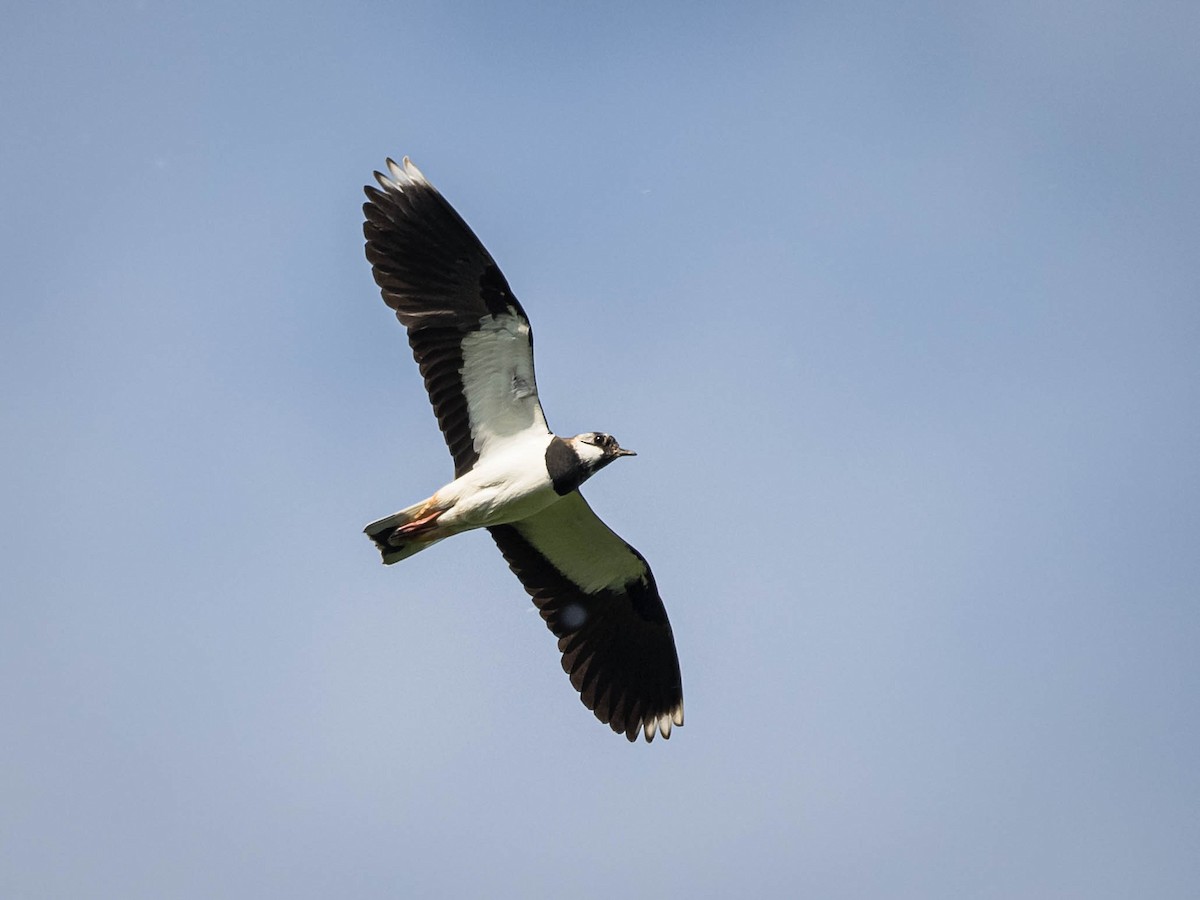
[{"x": 512, "y": 475}]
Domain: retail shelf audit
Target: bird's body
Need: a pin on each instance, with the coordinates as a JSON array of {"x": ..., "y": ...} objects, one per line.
[
  {"x": 512, "y": 482},
  {"x": 507, "y": 485},
  {"x": 473, "y": 343}
]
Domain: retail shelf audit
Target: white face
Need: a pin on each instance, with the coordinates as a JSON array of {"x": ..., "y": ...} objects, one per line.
[{"x": 587, "y": 449}]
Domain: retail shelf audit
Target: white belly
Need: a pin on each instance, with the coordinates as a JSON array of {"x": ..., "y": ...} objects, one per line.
[{"x": 505, "y": 486}]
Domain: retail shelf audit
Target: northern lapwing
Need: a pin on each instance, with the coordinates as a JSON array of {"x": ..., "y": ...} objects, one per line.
[{"x": 513, "y": 476}]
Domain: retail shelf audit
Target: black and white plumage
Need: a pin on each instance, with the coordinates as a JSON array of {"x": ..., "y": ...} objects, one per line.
[{"x": 513, "y": 476}]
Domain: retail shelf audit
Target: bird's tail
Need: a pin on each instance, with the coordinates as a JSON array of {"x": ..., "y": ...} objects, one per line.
[{"x": 408, "y": 532}]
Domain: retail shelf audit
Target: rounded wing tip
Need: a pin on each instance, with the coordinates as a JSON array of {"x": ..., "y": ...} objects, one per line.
[
  {"x": 660, "y": 724},
  {"x": 413, "y": 172},
  {"x": 400, "y": 175}
]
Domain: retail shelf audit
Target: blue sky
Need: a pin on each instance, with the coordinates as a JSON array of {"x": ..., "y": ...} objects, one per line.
[{"x": 898, "y": 304}]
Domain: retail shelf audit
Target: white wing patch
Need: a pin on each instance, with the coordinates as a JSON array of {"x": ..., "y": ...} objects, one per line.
[
  {"x": 577, "y": 543},
  {"x": 498, "y": 383}
]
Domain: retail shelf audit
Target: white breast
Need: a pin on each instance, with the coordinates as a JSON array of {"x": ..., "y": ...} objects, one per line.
[{"x": 508, "y": 484}]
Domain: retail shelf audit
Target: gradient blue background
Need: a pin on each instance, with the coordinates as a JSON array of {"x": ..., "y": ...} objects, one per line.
[{"x": 899, "y": 304}]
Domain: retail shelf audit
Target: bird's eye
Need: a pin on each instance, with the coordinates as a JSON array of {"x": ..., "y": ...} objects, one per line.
[{"x": 601, "y": 440}]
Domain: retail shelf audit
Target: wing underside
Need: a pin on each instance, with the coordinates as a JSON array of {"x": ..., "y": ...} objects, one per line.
[
  {"x": 598, "y": 596},
  {"x": 468, "y": 332}
]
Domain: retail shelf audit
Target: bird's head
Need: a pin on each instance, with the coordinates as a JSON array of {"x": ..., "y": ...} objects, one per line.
[{"x": 596, "y": 449}]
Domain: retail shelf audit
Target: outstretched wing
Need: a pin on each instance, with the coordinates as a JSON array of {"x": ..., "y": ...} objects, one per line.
[
  {"x": 468, "y": 333},
  {"x": 598, "y": 596}
]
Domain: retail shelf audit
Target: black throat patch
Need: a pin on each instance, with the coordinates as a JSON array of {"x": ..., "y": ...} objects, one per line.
[{"x": 566, "y": 470}]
